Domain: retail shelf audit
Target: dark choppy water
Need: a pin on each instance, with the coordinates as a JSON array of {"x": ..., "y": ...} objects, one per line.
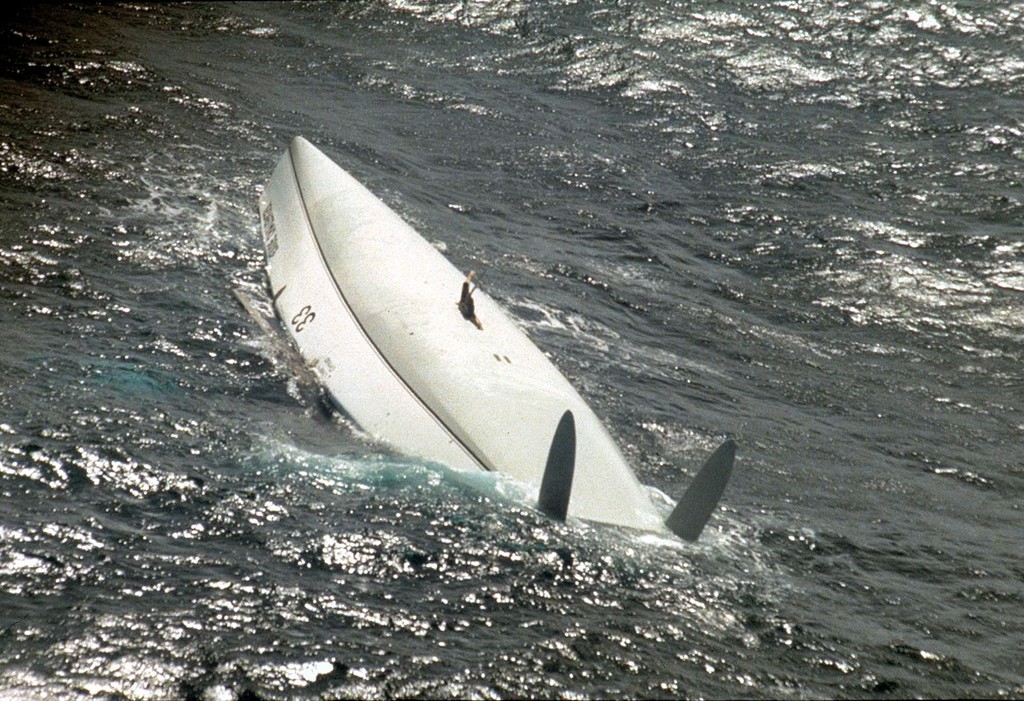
[{"x": 798, "y": 225}]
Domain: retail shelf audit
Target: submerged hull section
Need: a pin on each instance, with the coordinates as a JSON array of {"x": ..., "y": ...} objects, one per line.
[{"x": 372, "y": 307}]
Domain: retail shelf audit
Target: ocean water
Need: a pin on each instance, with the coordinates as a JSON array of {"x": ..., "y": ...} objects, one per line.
[{"x": 797, "y": 224}]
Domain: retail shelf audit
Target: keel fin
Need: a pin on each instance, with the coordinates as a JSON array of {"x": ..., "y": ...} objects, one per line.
[
  {"x": 695, "y": 508},
  {"x": 556, "y": 486}
]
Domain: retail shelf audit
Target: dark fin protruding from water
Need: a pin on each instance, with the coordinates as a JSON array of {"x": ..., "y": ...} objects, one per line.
[
  {"x": 695, "y": 508},
  {"x": 556, "y": 486}
]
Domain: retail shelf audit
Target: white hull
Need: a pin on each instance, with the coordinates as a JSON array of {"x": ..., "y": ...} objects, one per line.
[{"x": 372, "y": 307}]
